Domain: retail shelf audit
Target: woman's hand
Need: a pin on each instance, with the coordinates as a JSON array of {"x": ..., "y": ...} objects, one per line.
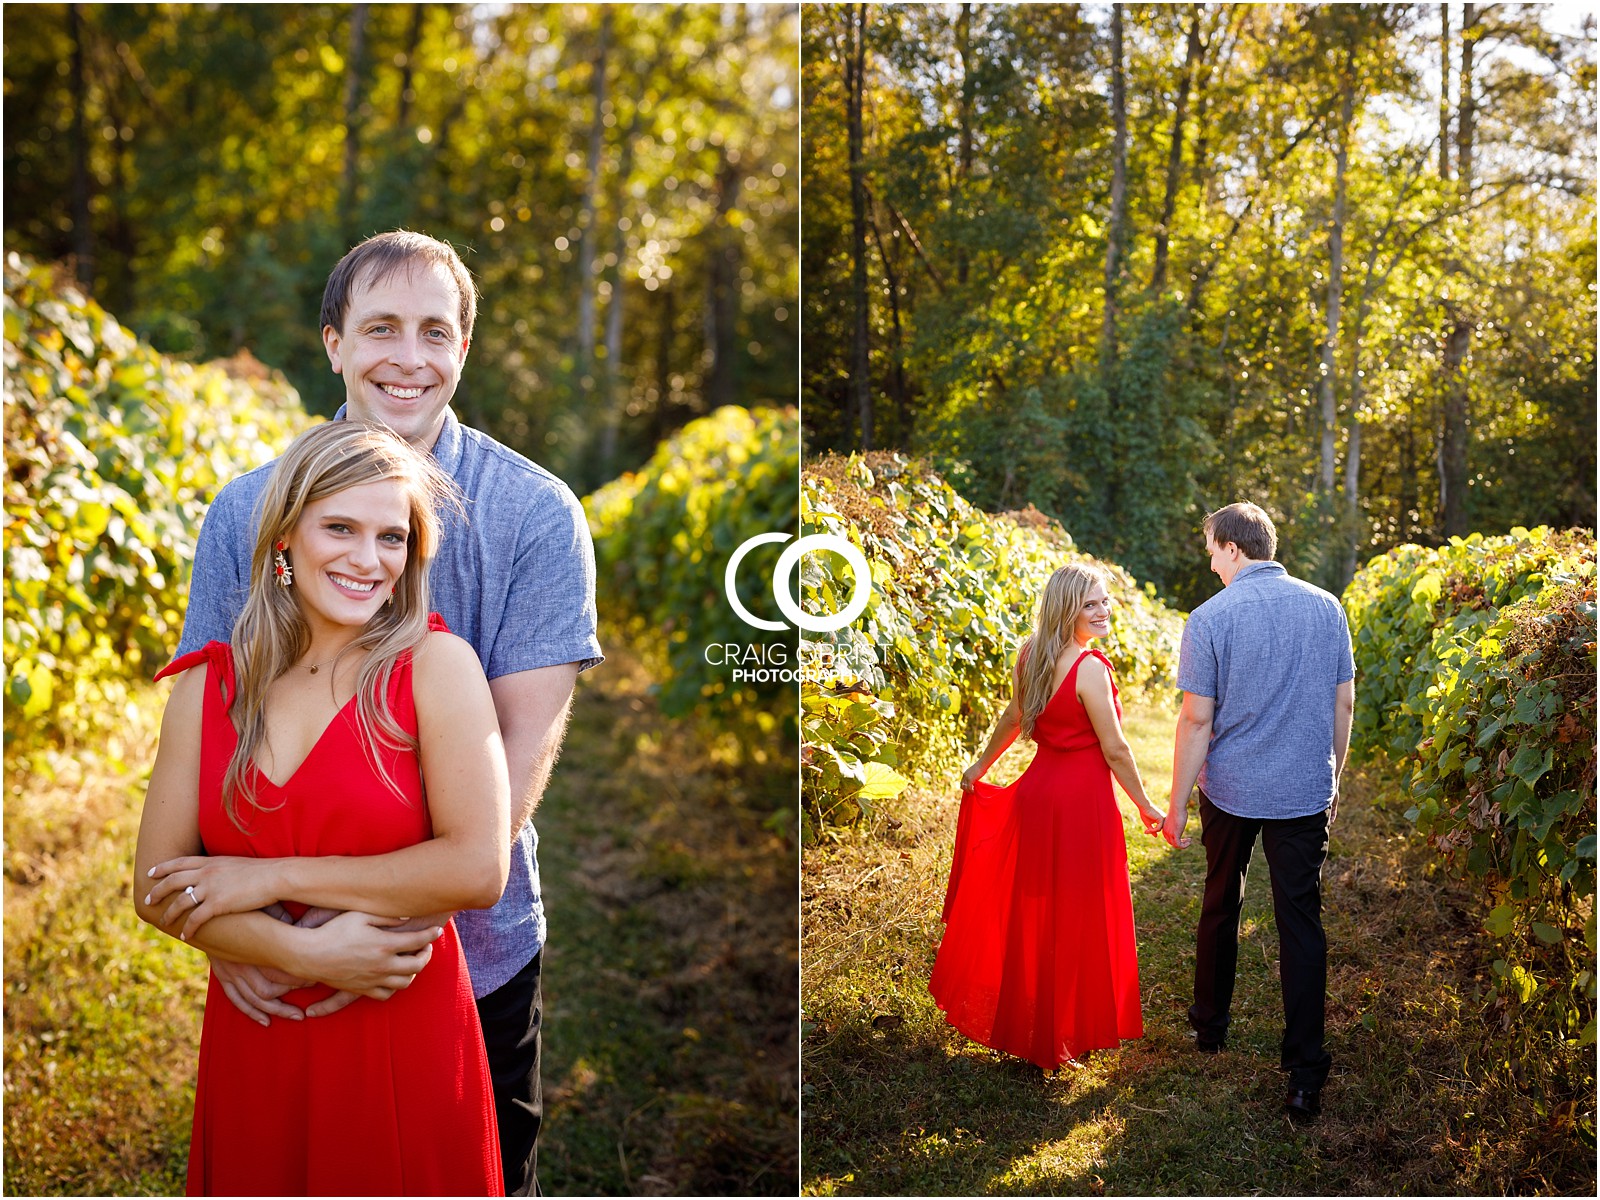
[
  {"x": 971, "y": 775},
  {"x": 1153, "y": 819},
  {"x": 220, "y": 885},
  {"x": 367, "y": 955}
]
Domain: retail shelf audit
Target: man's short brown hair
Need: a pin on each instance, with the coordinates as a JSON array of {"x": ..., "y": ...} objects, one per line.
[
  {"x": 1247, "y": 526},
  {"x": 380, "y": 256}
]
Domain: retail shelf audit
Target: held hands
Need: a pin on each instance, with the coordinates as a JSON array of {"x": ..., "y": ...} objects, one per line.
[
  {"x": 1154, "y": 819},
  {"x": 365, "y": 955}
]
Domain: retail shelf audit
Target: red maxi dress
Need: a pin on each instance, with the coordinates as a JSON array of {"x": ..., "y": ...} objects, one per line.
[
  {"x": 1038, "y": 956},
  {"x": 386, "y": 1097}
]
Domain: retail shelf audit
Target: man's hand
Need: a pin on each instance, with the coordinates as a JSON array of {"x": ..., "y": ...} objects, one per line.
[
  {"x": 1172, "y": 827},
  {"x": 254, "y": 990}
]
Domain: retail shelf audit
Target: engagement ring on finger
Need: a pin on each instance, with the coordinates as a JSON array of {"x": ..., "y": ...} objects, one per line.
[{"x": 189, "y": 892}]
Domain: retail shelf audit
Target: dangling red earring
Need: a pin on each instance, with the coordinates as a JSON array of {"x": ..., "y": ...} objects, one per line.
[{"x": 281, "y": 569}]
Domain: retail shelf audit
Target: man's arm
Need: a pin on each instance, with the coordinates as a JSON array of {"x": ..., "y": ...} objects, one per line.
[
  {"x": 221, "y": 576},
  {"x": 1188, "y": 756},
  {"x": 532, "y": 707},
  {"x": 1344, "y": 711}
]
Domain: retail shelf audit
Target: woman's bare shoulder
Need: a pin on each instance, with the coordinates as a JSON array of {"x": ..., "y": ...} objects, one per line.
[{"x": 444, "y": 660}]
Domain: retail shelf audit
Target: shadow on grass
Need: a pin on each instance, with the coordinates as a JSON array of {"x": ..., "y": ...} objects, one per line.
[
  {"x": 895, "y": 1102},
  {"x": 671, "y": 969}
]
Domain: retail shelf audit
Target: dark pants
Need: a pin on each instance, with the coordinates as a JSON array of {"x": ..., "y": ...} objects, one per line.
[
  {"x": 511, "y": 1016},
  {"x": 1296, "y": 849}
]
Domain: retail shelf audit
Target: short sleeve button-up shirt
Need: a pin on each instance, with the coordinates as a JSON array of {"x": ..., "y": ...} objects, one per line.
[{"x": 1270, "y": 650}]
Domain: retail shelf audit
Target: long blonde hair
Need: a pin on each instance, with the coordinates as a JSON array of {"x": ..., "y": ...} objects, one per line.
[
  {"x": 1063, "y": 599},
  {"x": 271, "y": 633}
]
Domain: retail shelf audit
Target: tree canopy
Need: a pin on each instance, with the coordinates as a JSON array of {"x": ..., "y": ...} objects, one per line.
[
  {"x": 1130, "y": 263},
  {"x": 621, "y": 180}
]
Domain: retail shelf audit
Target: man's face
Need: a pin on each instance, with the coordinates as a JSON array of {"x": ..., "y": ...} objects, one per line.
[
  {"x": 1225, "y": 559},
  {"x": 401, "y": 350}
]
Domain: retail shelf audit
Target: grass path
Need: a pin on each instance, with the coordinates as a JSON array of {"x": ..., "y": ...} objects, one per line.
[
  {"x": 671, "y": 974},
  {"x": 670, "y": 981},
  {"x": 895, "y": 1102}
]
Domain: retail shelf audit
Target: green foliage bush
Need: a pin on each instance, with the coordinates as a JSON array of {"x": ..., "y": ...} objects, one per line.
[
  {"x": 906, "y": 690},
  {"x": 112, "y": 452},
  {"x": 1476, "y": 672},
  {"x": 663, "y": 537}
]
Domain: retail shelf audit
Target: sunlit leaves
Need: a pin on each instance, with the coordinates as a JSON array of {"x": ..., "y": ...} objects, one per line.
[
  {"x": 1476, "y": 673},
  {"x": 112, "y": 453}
]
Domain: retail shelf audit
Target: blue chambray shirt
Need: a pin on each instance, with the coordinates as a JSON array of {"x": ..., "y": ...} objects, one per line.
[
  {"x": 1270, "y": 649},
  {"x": 515, "y": 579}
]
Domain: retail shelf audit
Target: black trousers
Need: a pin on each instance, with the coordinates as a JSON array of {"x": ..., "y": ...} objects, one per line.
[
  {"x": 1296, "y": 850},
  {"x": 511, "y": 1016}
]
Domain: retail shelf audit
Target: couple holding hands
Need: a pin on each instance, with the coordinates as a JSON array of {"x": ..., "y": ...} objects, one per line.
[{"x": 1038, "y": 957}]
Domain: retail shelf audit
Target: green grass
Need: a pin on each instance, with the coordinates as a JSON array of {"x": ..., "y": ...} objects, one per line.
[
  {"x": 102, "y": 1014},
  {"x": 670, "y": 979},
  {"x": 895, "y": 1102},
  {"x": 671, "y": 973}
]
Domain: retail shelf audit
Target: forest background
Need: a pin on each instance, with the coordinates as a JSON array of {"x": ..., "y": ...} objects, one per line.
[
  {"x": 1128, "y": 263},
  {"x": 622, "y": 182}
]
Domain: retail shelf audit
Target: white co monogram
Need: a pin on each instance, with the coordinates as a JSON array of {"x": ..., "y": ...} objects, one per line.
[{"x": 859, "y": 595}]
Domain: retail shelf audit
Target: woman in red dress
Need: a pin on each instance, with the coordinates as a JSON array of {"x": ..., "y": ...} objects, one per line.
[
  {"x": 321, "y": 783},
  {"x": 1038, "y": 956}
]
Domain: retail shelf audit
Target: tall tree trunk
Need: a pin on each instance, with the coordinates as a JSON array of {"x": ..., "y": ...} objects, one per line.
[
  {"x": 1453, "y": 437},
  {"x": 356, "y": 52},
  {"x": 1444, "y": 91},
  {"x": 856, "y": 69},
  {"x": 1330, "y": 340},
  {"x": 614, "y": 392},
  {"x": 1350, "y": 549},
  {"x": 82, "y": 228},
  {"x": 1119, "y": 193},
  {"x": 662, "y": 422},
  {"x": 1409, "y": 493},
  {"x": 1115, "y": 465},
  {"x": 589, "y": 217},
  {"x": 722, "y": 302},
  {"x": 964, "y": 146},
  {"x": 1469, "y": 103},
  {"x": 1458, "y": 334},
  {"x": 1158, "y": 276},
  {"x": 897, "y": 376},
  {"x": 407, "y": 68}
]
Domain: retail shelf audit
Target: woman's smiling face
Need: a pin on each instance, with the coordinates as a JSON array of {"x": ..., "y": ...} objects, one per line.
[
  {"x": 348, "y": 550},
  {"x": 1094, "y": 618}
]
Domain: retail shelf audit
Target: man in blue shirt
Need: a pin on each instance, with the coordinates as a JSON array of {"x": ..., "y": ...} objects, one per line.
[
  {"x": 514, "y": 577},
  {"x": 1269, "y": 691}
]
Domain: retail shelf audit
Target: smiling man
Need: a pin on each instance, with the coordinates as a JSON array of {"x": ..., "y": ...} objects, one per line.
[{"x": 514, "y": 577}]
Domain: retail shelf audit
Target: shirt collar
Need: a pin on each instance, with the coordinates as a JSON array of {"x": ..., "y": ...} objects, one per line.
[
  {"x": 446, "y": 450},
  {"x": 1269, "y": 566}
]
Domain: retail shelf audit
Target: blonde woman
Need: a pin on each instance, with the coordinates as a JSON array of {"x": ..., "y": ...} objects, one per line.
[
  {"x": 341, "y": 754},
  {"x": 1038, "y": 955}
]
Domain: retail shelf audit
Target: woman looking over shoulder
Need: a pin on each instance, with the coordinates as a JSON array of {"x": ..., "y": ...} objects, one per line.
[
  {"x": 341, "y": 754},
  {"x": 1038, "y": 957}
]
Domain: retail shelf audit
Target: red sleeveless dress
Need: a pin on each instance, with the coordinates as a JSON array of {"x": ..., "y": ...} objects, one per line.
[
  {"x": 384, "y": 1097},
  {"x": 1038, "y": 955}
]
